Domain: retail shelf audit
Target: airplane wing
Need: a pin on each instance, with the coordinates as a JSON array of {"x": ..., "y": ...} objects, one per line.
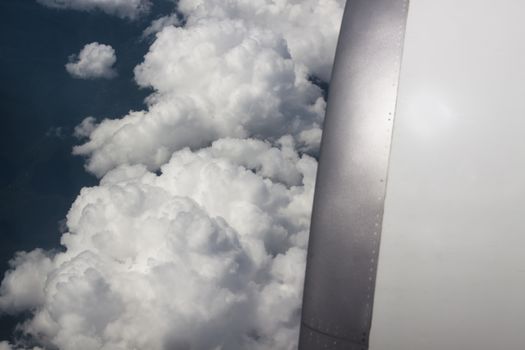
[
  {"x": 444, "y": 268},
  {"x": 350, "y": 189}
]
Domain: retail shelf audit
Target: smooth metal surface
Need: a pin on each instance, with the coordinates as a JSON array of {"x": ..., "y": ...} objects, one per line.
[
  {"x": 452, "y": 260},
  {"x": 349, "y": 199}
]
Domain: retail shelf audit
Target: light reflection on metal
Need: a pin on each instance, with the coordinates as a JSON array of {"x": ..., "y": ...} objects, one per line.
[{"x": 351, "y": 182}]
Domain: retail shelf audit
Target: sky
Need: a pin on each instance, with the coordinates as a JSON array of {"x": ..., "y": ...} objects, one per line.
[
  {"x": 40, "y": 106},
  {"x": 159, "y": 164}
]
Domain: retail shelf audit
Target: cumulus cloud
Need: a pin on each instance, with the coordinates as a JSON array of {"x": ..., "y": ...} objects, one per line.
[
  {"x": 236, "y": 69},
  {"x": 160, "y": 23},
  {"x": 207, "y": 255},
  {"x": 22, "y": 287},
  {"x": 93, "y": 61},
  {"x": 310, "y": 27},
  {"x": 130, "y": 9},
  {"x": 215, "y": 79},
  {"x": 196, "y": 236}
]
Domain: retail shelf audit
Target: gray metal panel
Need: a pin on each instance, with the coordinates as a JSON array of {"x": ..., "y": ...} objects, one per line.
[{"x": 350, "y": 190}]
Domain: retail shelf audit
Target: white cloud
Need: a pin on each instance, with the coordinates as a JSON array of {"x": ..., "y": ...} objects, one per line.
[
  {"x": 213, "y": 79},
  {"x": 23, "y": 287},
  {"x": 160, "y": 23},
  {"x": 209, "y": 254},
  {"x": 93, "y": 61},
  {"x": 85, "y": 128},
  {"x": 310, "y": 27},
  {"x": 236, "y": 69},
  {"x": 130, "y": 9}
]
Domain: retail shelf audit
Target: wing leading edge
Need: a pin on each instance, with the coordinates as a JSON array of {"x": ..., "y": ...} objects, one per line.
[{"x": 351, "y": 183}]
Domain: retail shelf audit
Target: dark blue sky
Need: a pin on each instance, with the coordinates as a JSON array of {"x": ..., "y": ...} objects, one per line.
[{"x": 39, "y": 178}]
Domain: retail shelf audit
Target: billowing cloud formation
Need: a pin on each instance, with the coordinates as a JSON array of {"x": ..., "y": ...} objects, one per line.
[
  {"x": 93, "y": 61},
  {"x": 195, "y": 237},
  {"x": 236, "y": 69},
  {"x": 161, "y": 23},
  {"x": 207, "y": 255},
  {"x": 310, "y": 27},
  {"x": 122, "y": 8}
]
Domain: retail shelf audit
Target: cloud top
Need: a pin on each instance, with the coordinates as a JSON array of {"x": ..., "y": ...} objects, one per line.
[
  {"x": 235, "y": 69},
  {"x": 309, "y": 27},
  {"x": 212, "y": 80},
  {"x": 93, "y": 61},
  {"x": 130, "y": 9}
]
